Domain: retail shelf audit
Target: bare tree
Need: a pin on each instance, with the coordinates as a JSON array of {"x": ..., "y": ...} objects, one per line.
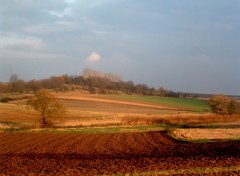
[
  {"x": 13, "y": 78},
  {"x": 47, "y": 105}
]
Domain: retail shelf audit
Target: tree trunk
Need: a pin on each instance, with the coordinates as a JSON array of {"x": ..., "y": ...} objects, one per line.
[{"x": 44, "y": 122}]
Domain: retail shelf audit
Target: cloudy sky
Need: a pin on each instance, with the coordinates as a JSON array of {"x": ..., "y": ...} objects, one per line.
[{"x": 182, "y": 45}]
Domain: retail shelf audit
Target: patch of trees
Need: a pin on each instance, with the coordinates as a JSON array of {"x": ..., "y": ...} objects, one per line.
[
  {"x": 91, "y": 80},
  {"x": 222, "y": 104},
  {"x": 17, "y": 85},
  {"x": 105, "y": 85},
  {"x": 89, "y": 73},
  {"x": 5, "y": 87}
]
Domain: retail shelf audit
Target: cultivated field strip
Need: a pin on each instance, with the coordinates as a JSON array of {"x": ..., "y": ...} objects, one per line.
[
  {"x": 74, "y": 143},
  {"x": 18, "y": 142},
  {"x": 98, "y": 144},
  {"x": 92, "y": 154},
  {"x": 118, "y": 144}
]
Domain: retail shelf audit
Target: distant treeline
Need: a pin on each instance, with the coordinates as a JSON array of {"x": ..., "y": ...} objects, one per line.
[{"x": 92, "y": 81}]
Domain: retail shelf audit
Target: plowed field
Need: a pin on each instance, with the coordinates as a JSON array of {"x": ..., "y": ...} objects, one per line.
[{"x": 146, "y": 153}]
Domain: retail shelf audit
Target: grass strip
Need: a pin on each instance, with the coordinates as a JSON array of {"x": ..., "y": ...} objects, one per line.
[
  {"x": 92, "y": 130},
  {"x": 191, "y": 171}
]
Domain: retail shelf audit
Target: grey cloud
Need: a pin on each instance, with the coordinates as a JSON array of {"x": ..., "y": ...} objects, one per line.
[
  {"x": 168, "y": 43},
  {"x": 28, "y": 7}
]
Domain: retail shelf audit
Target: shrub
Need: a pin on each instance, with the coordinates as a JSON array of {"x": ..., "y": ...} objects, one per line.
[
  {"x": 6, "y": 100},
  {"x": 222, "y": 104}
]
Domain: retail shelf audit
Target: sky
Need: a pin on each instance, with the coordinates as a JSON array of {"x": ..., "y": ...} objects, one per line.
[{"x": 181, "y": 45}]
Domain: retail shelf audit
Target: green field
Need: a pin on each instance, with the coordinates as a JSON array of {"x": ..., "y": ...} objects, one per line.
[{"x": 186, "y": 103}]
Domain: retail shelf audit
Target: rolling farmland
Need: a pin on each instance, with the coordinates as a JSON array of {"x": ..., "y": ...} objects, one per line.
[{"x": 118, "y": 135}]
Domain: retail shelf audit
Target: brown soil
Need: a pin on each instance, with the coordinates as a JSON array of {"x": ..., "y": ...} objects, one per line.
[{"x": 99, "y": 154}]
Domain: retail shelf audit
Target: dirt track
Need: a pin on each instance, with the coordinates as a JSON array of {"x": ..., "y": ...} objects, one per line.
[{"x": 92, "y": 154}]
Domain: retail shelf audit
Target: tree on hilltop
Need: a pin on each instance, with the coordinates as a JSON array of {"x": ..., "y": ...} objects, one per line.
[{"x": 13, "y": 78}]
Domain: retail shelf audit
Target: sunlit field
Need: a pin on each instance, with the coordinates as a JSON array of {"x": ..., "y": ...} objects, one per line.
[
  {"x": 138, "y": 133},
  {"x": 86, "y": 110}
]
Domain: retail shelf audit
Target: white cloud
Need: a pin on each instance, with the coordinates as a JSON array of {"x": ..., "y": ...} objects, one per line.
[
  {"x": 94, "y": 57},
  {"x": 16, "y": 55},
  {"x": 44, "y": 28},
  {"x": 65, "y": 12},
  {"x": 65, "y": 24},
  {"x": 70, "y": 1},
  {"x": 13, "y": 40},
  {"x": 99, "y": 32}
]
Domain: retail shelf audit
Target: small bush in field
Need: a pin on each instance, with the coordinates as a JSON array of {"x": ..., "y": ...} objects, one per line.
[
  {"x": 5, "y": 100},
  {"x": 222, "y": 104}
]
